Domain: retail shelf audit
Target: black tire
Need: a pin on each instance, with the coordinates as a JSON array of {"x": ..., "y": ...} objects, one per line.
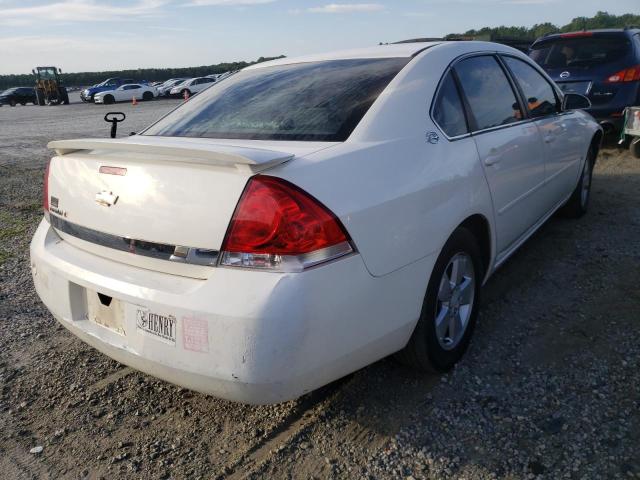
[
  {"x": 108, "y": 100},
  {"x": 424, "y": 351},
  {"x": 634, "y": 147},
  {"x": 12, "y": 102},
  {"x": 64, "y": 95},
  {"x": 147, "y": 96},
  {"x": 40, "y": 97},
  {"x": 578, "y": 203}
]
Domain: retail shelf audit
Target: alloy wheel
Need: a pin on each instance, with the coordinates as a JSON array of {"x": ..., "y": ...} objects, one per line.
[{"x": 455, "y": 301}]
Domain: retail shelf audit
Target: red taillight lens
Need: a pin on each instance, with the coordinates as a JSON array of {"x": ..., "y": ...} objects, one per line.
[
  {"x": 631, "y": 74},
  {"x": 45, "y": 188},
  {"x": 277, "y": 222}
]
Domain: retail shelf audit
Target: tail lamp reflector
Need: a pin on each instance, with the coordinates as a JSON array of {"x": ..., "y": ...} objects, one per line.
[
  {"x": 631, "y": 74},
  {"x": 278, "y": 226}
]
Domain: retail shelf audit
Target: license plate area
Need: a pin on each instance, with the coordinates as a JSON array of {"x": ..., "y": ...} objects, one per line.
[{"x": 106, "y": 311}]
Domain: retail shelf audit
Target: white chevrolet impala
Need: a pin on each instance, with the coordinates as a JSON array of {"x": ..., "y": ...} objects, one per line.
[
  {"x": 307, "y": 217},
  {"x": 125, "y": 93}
]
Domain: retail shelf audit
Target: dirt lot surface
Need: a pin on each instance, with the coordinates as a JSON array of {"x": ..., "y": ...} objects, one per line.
[{"x": 550, "y": 387}]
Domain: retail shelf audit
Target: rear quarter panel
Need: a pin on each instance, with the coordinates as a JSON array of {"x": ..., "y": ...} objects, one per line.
[{"x": 399, "y": 196}]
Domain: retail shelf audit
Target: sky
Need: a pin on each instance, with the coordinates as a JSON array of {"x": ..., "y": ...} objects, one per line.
[{"x": 91, "y": 35}]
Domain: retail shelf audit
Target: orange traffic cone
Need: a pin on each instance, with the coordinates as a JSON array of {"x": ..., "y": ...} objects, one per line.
[
  {"x": 186, "y": 95},
  {"x": 134, "y": 101}
]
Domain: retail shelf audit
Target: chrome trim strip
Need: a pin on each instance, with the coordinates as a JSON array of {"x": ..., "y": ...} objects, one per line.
[{"x": 161, "y": 251}]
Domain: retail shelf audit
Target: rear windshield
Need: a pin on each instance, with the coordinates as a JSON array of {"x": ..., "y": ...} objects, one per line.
[
  {"x": 580, "y": 52},
  {"x": 322, "y": 101}
]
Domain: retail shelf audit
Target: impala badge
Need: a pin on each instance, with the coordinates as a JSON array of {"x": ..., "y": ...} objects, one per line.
[
  {"x": 433, "y": 138},
  {"x": 565, "y": 75},
  {"x": 106, "y": 199}
]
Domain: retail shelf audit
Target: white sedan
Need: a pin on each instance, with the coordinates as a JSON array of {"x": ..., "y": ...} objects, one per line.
[
  {"x": 192, "y": 86},
  {"x": 307, "y": 217},
  {"x": 126, "y": 93}
]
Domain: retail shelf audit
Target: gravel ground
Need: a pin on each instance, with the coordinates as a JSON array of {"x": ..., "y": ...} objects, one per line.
[{"x": 549, "y": 389}]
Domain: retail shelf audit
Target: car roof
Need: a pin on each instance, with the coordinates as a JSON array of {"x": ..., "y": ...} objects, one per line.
[
  {"x": 379, "y": 51},
  {"x": 578, "y": 33}
]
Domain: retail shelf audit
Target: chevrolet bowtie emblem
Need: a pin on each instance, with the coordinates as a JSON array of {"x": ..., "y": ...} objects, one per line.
[{"x": 106, "y": 199}]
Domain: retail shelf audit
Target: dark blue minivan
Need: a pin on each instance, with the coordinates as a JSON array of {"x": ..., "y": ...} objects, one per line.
[{"x": 603, "y": 65}]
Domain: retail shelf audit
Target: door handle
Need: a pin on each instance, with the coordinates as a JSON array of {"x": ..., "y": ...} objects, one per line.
[{"x": 491, "y": 160}]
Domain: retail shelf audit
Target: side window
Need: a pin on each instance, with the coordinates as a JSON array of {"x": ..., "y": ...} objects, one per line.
[
  {"x": 448, "y": 111},
  {"x": 488, "y": 92},
  {"x": 134, "y": 87},
  {"x": 539, "y": 94}
]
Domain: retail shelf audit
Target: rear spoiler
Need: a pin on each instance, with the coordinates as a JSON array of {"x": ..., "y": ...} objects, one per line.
[{"x": 184, "y": 150}]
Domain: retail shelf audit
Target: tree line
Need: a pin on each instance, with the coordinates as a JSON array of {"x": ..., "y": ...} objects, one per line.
[
  {"x": 82, "y": 79},
  {"x": 599, "y": 20}
]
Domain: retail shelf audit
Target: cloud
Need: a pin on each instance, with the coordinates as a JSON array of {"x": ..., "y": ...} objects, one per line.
[
  {"x": 227, "y": 3},
  {"x": 528, "y": 2},
  {"x": 78, "y": 11},
  {"x": 347, "y": 8}
]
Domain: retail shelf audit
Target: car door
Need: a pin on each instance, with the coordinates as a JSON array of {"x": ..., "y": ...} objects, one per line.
[
  {"x": 508, "y": 145},
  {"x": 559, "y": 131},
  {"x": 137, "y": 91}
]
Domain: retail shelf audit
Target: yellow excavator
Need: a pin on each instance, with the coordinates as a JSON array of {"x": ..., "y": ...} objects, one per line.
[{"x": 49, "y": 89}]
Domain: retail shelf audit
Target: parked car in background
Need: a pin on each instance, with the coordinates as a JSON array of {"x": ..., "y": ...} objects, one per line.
[
  {"x": 18, "y": 95},
  {"x": 603, "y": 65},
  {"x": 126, "y": 93},
  {"x": 192, "y": 86},
  {"x": 165, "y": 89},
  {"x": 87, "y": 95},
  {"x": 309, "y": 216}
]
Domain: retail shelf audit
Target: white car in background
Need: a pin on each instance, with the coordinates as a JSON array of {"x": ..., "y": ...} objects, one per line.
[
  {"x": 192, "y": 86},
  {"x": 307, "y": 217},
  {"x": 165, "y": 89},
  {"x": 126, "y": 93}
]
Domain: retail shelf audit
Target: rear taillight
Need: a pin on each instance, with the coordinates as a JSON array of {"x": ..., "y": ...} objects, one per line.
[
  {"x": 45, "y": 189},
  {"x": 277, "y": 226},
  {"x": 631, "y": 74}
]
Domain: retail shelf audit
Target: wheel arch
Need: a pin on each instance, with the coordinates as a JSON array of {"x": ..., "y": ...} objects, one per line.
[
  {"x": 596, "y": 142},
  {"x": 480, "y": 227}
]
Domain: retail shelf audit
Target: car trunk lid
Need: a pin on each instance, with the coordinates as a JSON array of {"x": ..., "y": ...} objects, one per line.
[{"x": 137, "y": 200}]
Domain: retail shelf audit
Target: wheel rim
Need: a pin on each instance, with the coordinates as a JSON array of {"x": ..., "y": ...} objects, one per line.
[
  {"x": 455, "y": 301},
  {"x": 586, "y": 183}
]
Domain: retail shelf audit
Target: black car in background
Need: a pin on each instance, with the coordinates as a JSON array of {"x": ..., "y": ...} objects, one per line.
[
  {"x": 603, "y": 65},
  {"x": 21, "y": 95}
]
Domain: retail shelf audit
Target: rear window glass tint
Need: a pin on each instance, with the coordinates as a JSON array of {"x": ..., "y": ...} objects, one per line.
[
  {"x": 489, "y": 93},
  {"x": 580, "y": 52},
  {"x": 322, "y": 101},
  {"x": 537, "y": 91},
  {"x": 448, "y": 111}
]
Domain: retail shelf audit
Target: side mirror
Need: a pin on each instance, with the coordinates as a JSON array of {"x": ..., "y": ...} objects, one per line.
[
  {"x": 59, "y": 70},
  {"x": 575, "y": 101}
]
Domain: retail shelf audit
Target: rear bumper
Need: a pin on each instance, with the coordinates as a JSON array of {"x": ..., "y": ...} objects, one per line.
[{"x": 247, "y": 336}]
